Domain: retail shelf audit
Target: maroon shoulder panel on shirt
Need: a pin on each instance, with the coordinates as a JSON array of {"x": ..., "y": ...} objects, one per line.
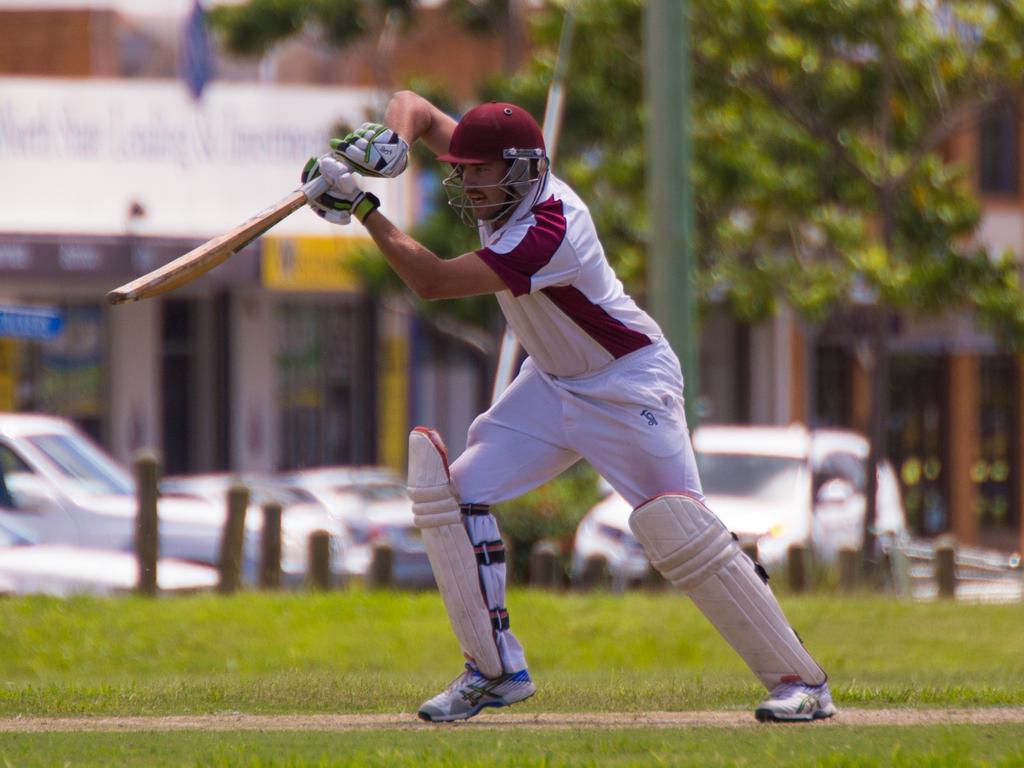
[{"x": 533, "y": 252}]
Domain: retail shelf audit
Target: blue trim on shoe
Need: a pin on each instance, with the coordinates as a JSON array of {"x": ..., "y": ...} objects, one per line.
[{"x": 523, "y": 676}]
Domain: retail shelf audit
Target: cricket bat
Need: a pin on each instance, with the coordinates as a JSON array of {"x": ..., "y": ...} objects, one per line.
[{"x": 198, "y": 261}]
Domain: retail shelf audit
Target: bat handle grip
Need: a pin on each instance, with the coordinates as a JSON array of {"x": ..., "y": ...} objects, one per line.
[{"x": 315, "y": 187}]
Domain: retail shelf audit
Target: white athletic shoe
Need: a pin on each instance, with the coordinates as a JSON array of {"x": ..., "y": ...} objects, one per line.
[
  {"x": 471, "y": 691},
  {"x": 796, "y": 702}
]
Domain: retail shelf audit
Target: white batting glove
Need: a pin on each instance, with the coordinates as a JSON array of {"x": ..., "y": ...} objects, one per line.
[
  {"x": 344, "y": 197},
  {"x": 326, "y": 206},
  {"x": 339, "y": 174},
  {"x": 373, "y": 149}
]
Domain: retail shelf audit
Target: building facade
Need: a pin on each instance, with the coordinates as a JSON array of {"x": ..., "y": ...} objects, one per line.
[{"x": 278, "y": 359}]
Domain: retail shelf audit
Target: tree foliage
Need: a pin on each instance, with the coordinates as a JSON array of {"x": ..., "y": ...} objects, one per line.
[
  {"x": 252, "y": 28},
  {"x": 819, "y": 131},
  {"x": 845, "y": 109}
]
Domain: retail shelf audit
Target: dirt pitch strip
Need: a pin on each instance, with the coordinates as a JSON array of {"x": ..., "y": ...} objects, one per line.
[{"x": 504, "y": 721}]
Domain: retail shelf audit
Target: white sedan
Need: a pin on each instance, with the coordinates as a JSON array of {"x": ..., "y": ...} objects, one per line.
[
  {"x": 65, "y": 489},
  {"x": 301, "y": 516},
  {"x": 62, "y": 570},
  {"x": 373, "y": 504}
]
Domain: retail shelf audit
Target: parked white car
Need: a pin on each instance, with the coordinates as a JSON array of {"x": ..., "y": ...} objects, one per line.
[
  {"x": 773, "y": 487},
  {"x": 62, "y": 570},
  {"x": 372, "y": 502},
  {"x": 604, "y": 531},
  {"x": 64, "y": 489},
  {"x": 301, "y": 516}
]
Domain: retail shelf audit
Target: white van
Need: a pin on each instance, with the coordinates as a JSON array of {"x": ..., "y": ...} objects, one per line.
[{"x": 773, "y": 487}]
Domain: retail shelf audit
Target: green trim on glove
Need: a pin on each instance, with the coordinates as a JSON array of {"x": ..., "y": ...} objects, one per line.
[
  {"x": 373, "y": 150},
  {"x": 313, "y": 164}
]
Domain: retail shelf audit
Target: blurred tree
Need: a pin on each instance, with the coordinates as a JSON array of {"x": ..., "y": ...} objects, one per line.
[
  {"x": 818, "y": 130},
  {"x": 826, "y": 124},
  {"x": 253, "y": 27},
  {"x": 821, "y": 167},
  {"x": 840, "y": 113}
]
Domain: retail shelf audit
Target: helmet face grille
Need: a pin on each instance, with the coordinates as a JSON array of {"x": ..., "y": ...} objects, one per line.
[{"x": 522, "y": 176}]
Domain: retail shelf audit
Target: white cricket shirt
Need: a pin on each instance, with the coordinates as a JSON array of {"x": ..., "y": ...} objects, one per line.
[{"x": 564, "y": 302}]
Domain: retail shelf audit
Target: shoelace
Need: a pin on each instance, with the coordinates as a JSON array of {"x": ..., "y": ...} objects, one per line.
[
  {"x": 784, "y": 690},
  {"x": 463, "y": 677}
]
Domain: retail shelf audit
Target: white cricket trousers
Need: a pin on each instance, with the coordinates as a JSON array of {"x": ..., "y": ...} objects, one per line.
[{"x": 627, "y": 420}]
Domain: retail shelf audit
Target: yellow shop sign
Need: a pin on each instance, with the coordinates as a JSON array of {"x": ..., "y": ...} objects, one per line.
[{"x": 309, "y": 263}]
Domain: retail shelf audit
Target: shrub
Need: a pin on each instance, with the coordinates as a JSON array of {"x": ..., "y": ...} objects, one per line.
[{"x": 550, "y": 513}]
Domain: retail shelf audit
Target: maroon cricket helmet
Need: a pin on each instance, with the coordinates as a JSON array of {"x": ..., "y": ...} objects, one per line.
[{"x": 495, "y": 131}]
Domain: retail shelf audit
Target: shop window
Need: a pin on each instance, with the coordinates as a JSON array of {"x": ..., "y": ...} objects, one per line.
[
  {"x": 831, "y": 387},
  {"x": 324, "y": 385},
  {"x": 916, "y": 445},
  {"x": 178, "y": 385},
  {"x": 63, "y": 376},
  {"x": 999, "y": 159},
  {"x": 991, "y": 472}
]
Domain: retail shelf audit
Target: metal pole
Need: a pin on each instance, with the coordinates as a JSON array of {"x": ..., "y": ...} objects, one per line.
[{"x": 670, "y": 263}]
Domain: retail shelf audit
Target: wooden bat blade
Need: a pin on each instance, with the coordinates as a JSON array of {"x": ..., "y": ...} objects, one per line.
[{"x": 213, "y": 252}]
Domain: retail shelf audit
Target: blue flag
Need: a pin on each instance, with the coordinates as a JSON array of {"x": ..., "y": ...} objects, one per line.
[{"x": 196, "y": 53}]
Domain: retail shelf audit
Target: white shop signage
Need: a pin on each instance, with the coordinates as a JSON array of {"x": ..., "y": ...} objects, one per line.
[{"x": 140, "y": 157}]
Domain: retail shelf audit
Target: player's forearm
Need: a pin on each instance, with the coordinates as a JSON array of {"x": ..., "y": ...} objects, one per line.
[
  {"x": 416, "y": 265},
  {"x": 412, "y": 117}
]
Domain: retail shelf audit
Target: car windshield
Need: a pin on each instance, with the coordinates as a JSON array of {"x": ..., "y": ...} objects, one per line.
[
  {"x": 80, "y": 462},
  {"x": 262, "y": 494},
  {"x": 769, "y": 478}
]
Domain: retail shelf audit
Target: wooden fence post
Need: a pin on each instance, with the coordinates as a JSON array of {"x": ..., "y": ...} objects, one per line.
[
  {"x": 653, "y": 579},
  {"x": 381, "y": 574},
  {"x": 270, "y": 549},
  {"x": 233, "y": 540},
  {"x": 849, "y": 567},
  {"x": 147, "y": 527},
  {"x": 320, "y": 560},
  {"x": 945, "y": 568},
  {"x": 797, "y": 568},
  {"x": 595, "y": 574},
  {"x": 544, "y": 570}
]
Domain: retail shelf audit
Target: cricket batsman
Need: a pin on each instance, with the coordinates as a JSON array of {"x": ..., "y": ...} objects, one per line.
[{"x": 600, "y": 383}]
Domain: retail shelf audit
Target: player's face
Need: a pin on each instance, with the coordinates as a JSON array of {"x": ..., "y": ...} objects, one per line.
[{"x": 482, "y": 185}]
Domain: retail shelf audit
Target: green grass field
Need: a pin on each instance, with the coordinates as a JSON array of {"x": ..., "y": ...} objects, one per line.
[
  {"x": 353, "y": 652},
  {"x": 462, "y": 746}
]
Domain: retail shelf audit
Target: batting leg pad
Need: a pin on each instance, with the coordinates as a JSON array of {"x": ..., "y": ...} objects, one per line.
[
  {"x": 691, "y": 548},
  {"x": 435, "y": 507}
]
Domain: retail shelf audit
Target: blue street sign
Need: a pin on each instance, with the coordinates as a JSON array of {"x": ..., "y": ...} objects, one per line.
[{"x": 37, "y": 323}]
